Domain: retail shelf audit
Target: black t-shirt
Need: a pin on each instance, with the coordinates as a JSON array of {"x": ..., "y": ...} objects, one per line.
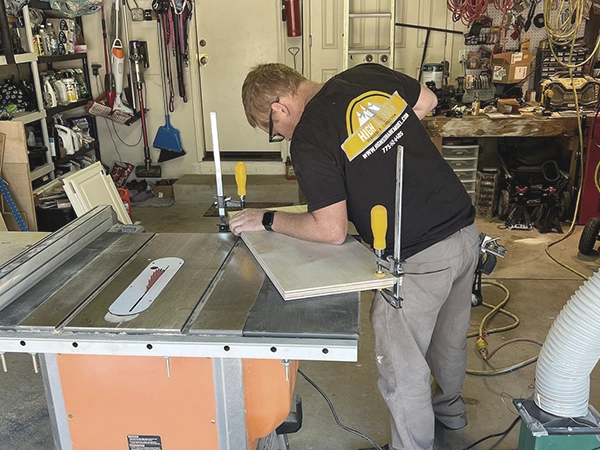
[{"x": 345, "y": 148}]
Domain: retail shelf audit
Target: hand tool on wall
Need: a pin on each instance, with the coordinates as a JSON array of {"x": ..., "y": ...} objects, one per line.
[
  {"x": 137, "y": 57},
  {"x": 181, "y": 16},
  {"x": 167, "y": 137},
  {"x": 164, "y": 17},
  {"x": 132, "y": 99},
  {"x": 393, "y": 264},
  {"x": 168, "y": 37},
  {"x": 109, "y": 81},
  {"x": 118, "y": 65}
]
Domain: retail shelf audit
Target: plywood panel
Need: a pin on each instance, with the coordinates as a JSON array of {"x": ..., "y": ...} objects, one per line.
[{"x": 301, "y": 269}]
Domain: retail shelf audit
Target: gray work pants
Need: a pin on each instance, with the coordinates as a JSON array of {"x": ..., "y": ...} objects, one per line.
[{"x": 427, "y": 336}]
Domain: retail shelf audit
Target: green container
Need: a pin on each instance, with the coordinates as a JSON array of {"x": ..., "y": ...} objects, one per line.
[{"x": 557, "y": 441}]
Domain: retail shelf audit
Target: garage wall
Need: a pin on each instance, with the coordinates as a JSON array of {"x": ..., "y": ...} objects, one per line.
[
  {"x": 184, "y": 118},
  {"x": 322, "y": 30}
]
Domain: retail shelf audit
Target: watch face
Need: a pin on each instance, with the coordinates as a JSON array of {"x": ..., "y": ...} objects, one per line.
[{"x": 267, "y": 220}]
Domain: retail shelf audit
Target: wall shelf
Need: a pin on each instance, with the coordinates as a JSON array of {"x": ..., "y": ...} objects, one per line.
[
  {"x": 29, "y": 117},
  {"x": 82, "y": 151},
  {"x": 62, "y": 108},
  {"x": 59, "y": 58},
  {"x": 23, "y": 58},
  {"x": 39, "y": 172}
]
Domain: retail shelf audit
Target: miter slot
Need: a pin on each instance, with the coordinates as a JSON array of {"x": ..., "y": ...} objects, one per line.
[{"x": 225, "y": 308}]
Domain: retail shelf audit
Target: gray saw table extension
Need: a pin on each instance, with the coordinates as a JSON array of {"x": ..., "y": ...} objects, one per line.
[{"x": 110, "y": 380}]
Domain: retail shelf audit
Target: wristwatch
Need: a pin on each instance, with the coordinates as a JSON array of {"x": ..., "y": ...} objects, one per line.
[{"x": 267, "y": 220}]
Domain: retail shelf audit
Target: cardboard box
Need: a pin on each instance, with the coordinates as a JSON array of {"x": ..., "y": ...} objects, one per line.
[
  {"x": 508, "y": 106},
  {"x": 512, "y": 67},
  {"x": 164, "y": 188}
]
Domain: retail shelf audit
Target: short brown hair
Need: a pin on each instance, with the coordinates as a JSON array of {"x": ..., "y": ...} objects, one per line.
[{"x": 263, "y": 85}]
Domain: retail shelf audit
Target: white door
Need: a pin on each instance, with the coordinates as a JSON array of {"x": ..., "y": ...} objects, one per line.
[
  {"x": 233, "y": 37},
  {"x": 325, "y": 40},
  {"x": 326, "y": 26}
]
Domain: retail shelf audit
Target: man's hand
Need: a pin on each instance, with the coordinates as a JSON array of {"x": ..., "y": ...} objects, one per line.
[{"x": 247, "y": 220}]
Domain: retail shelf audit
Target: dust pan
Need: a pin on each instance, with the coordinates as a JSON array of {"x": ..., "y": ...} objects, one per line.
[{"x": 167, "y": 137}]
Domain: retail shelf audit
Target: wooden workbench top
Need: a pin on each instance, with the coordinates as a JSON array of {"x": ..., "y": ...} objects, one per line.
[{"x": 483, "y": 126}]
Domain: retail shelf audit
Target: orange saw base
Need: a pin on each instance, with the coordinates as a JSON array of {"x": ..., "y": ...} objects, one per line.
[{"x": 124, "y": 402}]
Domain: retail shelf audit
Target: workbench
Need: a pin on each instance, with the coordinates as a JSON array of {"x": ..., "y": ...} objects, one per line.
[
  {"x": 210, "y": 364},
  {"x": 482, "y": 126}
]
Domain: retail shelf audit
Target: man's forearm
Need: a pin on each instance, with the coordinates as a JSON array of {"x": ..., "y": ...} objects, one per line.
[
  {"x": 307, "y": 227},
  {"x": 327, "y": 225}
]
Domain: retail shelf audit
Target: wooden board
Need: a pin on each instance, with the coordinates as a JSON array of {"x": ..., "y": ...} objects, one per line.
[
  {"x": 301, "y": 269},
  {"x": 15, "y": 171},
  {"x": 483, "y": 126}
]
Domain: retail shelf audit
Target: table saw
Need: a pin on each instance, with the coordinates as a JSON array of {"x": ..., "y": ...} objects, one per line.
[{"x": 205, "y": 358}]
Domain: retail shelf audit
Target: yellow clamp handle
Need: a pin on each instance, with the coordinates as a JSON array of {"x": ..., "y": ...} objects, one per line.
[
  {"x": 379, "y": 226},
  {"x": 240, "y": 178}
]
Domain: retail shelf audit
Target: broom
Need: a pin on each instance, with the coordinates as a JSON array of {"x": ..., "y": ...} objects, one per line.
[{"x": 167, "y": 137}]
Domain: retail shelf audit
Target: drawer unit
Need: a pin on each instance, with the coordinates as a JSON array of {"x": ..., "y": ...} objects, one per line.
[
  {"x": 463, "y": 160},
  {"x": 466, "y": 176},
  {"x": 460, "y": 151},
  {"x": 463, "y": 164},
  {"x": 470, "y": 186}
]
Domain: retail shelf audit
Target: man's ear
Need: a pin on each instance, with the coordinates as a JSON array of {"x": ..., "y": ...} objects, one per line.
[{"x": 281, "y": 108}]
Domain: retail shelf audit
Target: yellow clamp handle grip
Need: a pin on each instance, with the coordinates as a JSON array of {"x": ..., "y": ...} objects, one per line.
[
  {"x": 240, "y": 178},
  {"x": 379, "y": 226}
]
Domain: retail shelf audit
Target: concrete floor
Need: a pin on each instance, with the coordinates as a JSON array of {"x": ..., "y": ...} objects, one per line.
[{"x": 538, "y": 288}]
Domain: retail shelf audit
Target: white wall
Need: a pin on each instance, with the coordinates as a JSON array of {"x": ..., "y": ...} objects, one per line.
[{"x": 188, "y": 117}]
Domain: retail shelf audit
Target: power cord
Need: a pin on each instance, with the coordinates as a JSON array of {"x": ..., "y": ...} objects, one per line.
[
  {"x": 482, "y": 333},
  {"x": 502, "y": 435},
  {"x": 562, "y": 23},
  {"x": 334, "y": 413}
]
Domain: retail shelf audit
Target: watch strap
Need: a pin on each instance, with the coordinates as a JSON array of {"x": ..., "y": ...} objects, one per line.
[{"x": 267, "y": 220}]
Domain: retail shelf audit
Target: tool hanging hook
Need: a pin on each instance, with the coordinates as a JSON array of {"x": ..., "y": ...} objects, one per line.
[{"x": 294, "y": 51}]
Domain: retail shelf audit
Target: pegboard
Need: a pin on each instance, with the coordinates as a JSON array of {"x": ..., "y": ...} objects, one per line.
[{"x": 535, "y": 34}]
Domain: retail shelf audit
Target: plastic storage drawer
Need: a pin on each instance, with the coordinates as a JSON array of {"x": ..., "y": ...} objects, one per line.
[
  {"x": 470, "y": 186},
  {"x": 463, "y": 164},
  {"x": 460, "y": 151}
]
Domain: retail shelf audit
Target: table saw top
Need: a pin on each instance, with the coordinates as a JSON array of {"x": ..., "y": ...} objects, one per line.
[{"x": 219, "y": 302}]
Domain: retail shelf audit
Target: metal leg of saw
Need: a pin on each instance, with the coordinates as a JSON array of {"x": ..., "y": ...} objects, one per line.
[
  {"x": 230, "y": 403},
  {"x": 56, "y": 402}
]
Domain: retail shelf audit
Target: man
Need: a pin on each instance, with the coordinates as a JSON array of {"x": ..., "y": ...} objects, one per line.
[{"x": 344, "y": 136}]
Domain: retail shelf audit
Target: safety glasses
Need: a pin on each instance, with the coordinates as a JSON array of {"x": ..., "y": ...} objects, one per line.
[{"x": 274, "y": 137}]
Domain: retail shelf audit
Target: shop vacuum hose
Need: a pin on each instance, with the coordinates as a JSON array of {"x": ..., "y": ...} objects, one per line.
[{"x": 570, "y": 353}]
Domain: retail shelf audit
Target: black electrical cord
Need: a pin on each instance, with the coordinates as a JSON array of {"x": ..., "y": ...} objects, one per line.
[
  {"x": 334, "y": 413},
  {"x": 502, "y": 435}
]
